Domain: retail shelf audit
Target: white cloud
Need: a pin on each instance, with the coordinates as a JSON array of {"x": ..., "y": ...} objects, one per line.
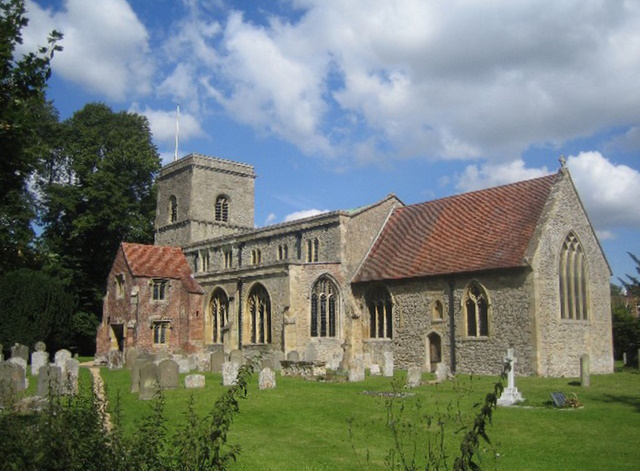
[
  {"x": 304, "y": 214},
  {"x": 271, "y": 218},
  {"x": 163, "y": 124},
  {"x": 476, "y": 178},
  {"x": 106, "y": 47}
]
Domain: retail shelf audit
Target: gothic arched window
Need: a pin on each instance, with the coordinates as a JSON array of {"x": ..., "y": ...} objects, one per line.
[
  {"x": 219, "y": 309},
  {"x": 259, "y": 310},
  {"x": 476, "y": 305},
  {"x": 573, "y": 280},
  {"x": 222, "y": 209},
  {"x": 324, "y": 305},
  {"x": 380, "y": 313}
]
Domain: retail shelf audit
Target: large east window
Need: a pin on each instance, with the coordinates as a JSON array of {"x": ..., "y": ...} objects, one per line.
[
  {"x": 324, "y": 305},
  {"x": 573, "y": 280}
]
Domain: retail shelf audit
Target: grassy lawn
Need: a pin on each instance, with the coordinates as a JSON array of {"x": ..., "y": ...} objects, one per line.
[{"x": 304, "y": 425}]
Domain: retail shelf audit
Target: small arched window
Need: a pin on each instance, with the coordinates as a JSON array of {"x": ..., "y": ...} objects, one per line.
[
  {"x": 438, "y": 311},
  {"x": 573, "y": 280},
  {"x": 219, "y": 308},
  {"x": 222, "y": 209},
  {"x": 324, "y": 305},
  {"x": 173, "y": 208},
  {"x": 259, "y": 306},
  {"x": 476, "y": 305},
  {"x": 380, "y": 313}
]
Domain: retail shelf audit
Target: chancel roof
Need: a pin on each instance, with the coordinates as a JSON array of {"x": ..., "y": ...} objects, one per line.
[
  {"x": 476, "y": 231},
  {"x": 154, "y": 261}
]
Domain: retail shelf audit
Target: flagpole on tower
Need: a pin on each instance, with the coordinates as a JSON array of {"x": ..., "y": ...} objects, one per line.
[{"x": 175, "y": 156}]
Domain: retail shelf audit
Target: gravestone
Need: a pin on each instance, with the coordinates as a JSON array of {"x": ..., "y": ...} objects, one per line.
[
  {"x": 558, "y": 398},
  {"x": 217, "y": 359},
  {"x": 19, "y": 361},
  {"x": 510, "y": 395},
  {"x": 230, "y": 373},
  {"x": 115, "y": 360},
  {"x": 442, "y": 372},
  {"x": 60, "y": 359},
  {"x": 387, "y": 366},
  {"x": 18, "y": 373},
  {"x": 148, "y": 381},
  {"x": 585, "y": 371},
  {"x": 293, "y": 356},
  {"x": 135, "y": 373},
  {"x": 49, "y": 381},
  {"x": 162, "y": 355},
  {"x": 130, "y": 358},
  {"x": 267, "y": 362},
  {"x": 38, "y": 359},
  {"x": 184, "y": 365},
  {"x": 267, "y": 379},
  {"x": 168, "y": 374},
  {"x": 194, "y": 381},
  {"x": 414, "y": 376},
  {"x": 277, "y": 357},
  {"x": 70, "y": 377},
  {"x": 40, "y": 347},
  {"x": 11, "y": 381},
  {"x": 236, "y": 357},
  {"x": 311, "y": 352},
  {"x": 356, "y": 370},
  {"x": 20, "y": 351},
  {"x": 374, "y": 370}
]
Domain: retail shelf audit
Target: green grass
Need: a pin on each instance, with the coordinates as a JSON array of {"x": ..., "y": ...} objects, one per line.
[{"x": 304, "y": 425}]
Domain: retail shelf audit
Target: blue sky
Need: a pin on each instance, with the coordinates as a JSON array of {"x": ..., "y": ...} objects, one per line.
[{"x": 339, "y": 103}]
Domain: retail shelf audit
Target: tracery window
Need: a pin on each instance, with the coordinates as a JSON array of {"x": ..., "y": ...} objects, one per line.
[
  {"x": 324, "y": 302},
  {"x": 573, "y": 280},
  {"x": 312, "y": 250},
  {"x": 476, "y": 305},
  {"x": 173, "y": 209},
  {"x": 219, "y": 308},
  {"x": 380, "y": 308},
  {"x": 259, "y": 315},
  {"x": 222, "y": 209}
]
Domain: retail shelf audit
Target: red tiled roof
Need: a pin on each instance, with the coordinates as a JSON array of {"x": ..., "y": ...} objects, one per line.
[
  {"x": 153, "y": 261},
  {"x": 475, "y": 231}
]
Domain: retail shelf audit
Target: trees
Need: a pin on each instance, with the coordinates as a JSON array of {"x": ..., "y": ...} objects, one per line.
[
  {"x": 626, "y": 323},
  {"x": 97, "y": 191},
  {"x": 23, "y": 109}
]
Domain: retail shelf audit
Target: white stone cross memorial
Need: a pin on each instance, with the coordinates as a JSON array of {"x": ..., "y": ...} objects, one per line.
[{"x": 510, "y": 395}]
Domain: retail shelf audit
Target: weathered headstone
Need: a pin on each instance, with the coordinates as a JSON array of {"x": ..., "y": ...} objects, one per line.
[
  {"x": 18, "y": 373},
  {"x": 356, "y": 370},
  {"x": 115, "y": 360},
  {"x": 184, "y": 365},
  {"x": 311, "y": 352},
  {"x": 236, "y": 357},
  {"x": 374, "y": 370},
  {"x": 414, "y": 376},
  {"x": 162, "y": 355},
  {"x": 168, "y": 374},
  {"x": 442, "y": 372},
  {"x": 38, "y": 359},
  {"x": 217, "y": 359},
  {"x": 277, "y": 357},
  {"x": 10, "y": 380},
  {"x": 387, "y": 366},
  {"x": 558, "y": 398},
  {"x": 585, "y": 371},
  {"x": 49, "y": 381},
  {"x": 267, "y": 379},
  {"x": 230, "y": 373},
  {"x": 135, "y": 373},
  {"x": 293, "y": 356},
  {"x": 130, "y": 358},
  {"x": 40, "y": 347},
  {"x": 60, "y": 359},
  {"x": 148, "y": 381},
  {"x": 510, "y": 394},
  {"x": 21, "y": 351},
  {"x": 70, "y": 376},
  {"x": 19, "y": 361},
  {"x": 194, "y": 381}
]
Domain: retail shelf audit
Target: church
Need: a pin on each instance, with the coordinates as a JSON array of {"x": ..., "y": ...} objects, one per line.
[{"x": 457, "y": 280}]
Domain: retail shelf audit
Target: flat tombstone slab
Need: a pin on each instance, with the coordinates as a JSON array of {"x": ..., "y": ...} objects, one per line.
[
  {"x": 236, "y": 357},
  {"x": 217, "y": 359},
  {"x": 194, "y": 381},
  {"x": 267, "y": 379},
  {"x": 374, "y": 370},
  {"x": 49, "y": 381},
  {"x": 148, "y": 381},
  {"x": 230, "y": 373},
  {"x": 356, "y": 370},
  {"x": 38, "y": 359},
  {"x": 61, "y": 357},
  {"x": 21, "y": 351},
  {"x": 70, "y": 377},
  {"x": 387, "y": 366},
  {"x": 40, "y": 347},
  {"x": 293, "y": 356},
  {"x": 558, "y": 398},
  {"x": 414, "y": 376},
  {"x": 168, "y": 374}
]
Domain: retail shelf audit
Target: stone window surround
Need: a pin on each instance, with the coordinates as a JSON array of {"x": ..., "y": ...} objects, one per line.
[
  {"x": 437, "y": 311},
  {"x": 159, "y": 289},
  {"x": 573, "y": 280},
  {"x": 221, "y": 212},
  {"x": 161, "y": 331},
  {"x": 380, "y": 309},
  {"x": 258, "y": 316},
  {"x": 482, "y": 321},
  {"x": 219, "y": 315},
  {"x": 324, "y": 298}
]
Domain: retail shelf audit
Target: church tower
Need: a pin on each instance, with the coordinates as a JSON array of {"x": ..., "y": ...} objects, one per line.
[{"x": 201, "y": 197}]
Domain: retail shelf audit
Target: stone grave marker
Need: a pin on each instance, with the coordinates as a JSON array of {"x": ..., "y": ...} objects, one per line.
[
  {"x": 195, "y": 381},
  {"x": 442, "y": 372},
  {"x": 311, "y": 352},
  {"x": 510, "y": 395},
  {"x": 18, "y": 373},
  {"x": 148, "y": 381},
  {"x": 230, "y": 373},
  {"x": 356, "y": 370},
  {"x": 162, "y": 355},
  {"x": 130, "y": 357},
  {"x": 115, "y": 360},
  {"x": 60, "y": 359},
  {"x": 277, "y": 357},
  {"x": 585, "y": 371},
  {"x": 374, "y": 370},
  {"x": 267, "y": 362},
  {"x": 70, "y": 377},
  {"x": 49, "y": 381},
  {"x": 267, "y": 379},
  {"x": 387, "y": 366},
  {"x": 19, "y": 361},
  {"x": 236, "y": 357},
  {"x": 135, "y": 373},
  {"x": 21, "y": 351},
  {"x": 40, "y": 347},
  {"x": 414, "y": 376},
  {"x": 558, "y": 398},
  {"x": 168, "y": 374},
  {"x": 11, "y": 381},
  {"x": 293, "y": 356},
  {"x": 38, "y": 359},
  {"x": 217, "y": 359}
]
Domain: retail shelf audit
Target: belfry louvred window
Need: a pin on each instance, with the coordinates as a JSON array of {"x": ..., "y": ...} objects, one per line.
[{"x": 222, "y": 209}]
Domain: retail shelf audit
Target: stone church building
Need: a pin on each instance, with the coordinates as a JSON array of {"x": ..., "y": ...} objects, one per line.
[{"x": 456, "y": 280}]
